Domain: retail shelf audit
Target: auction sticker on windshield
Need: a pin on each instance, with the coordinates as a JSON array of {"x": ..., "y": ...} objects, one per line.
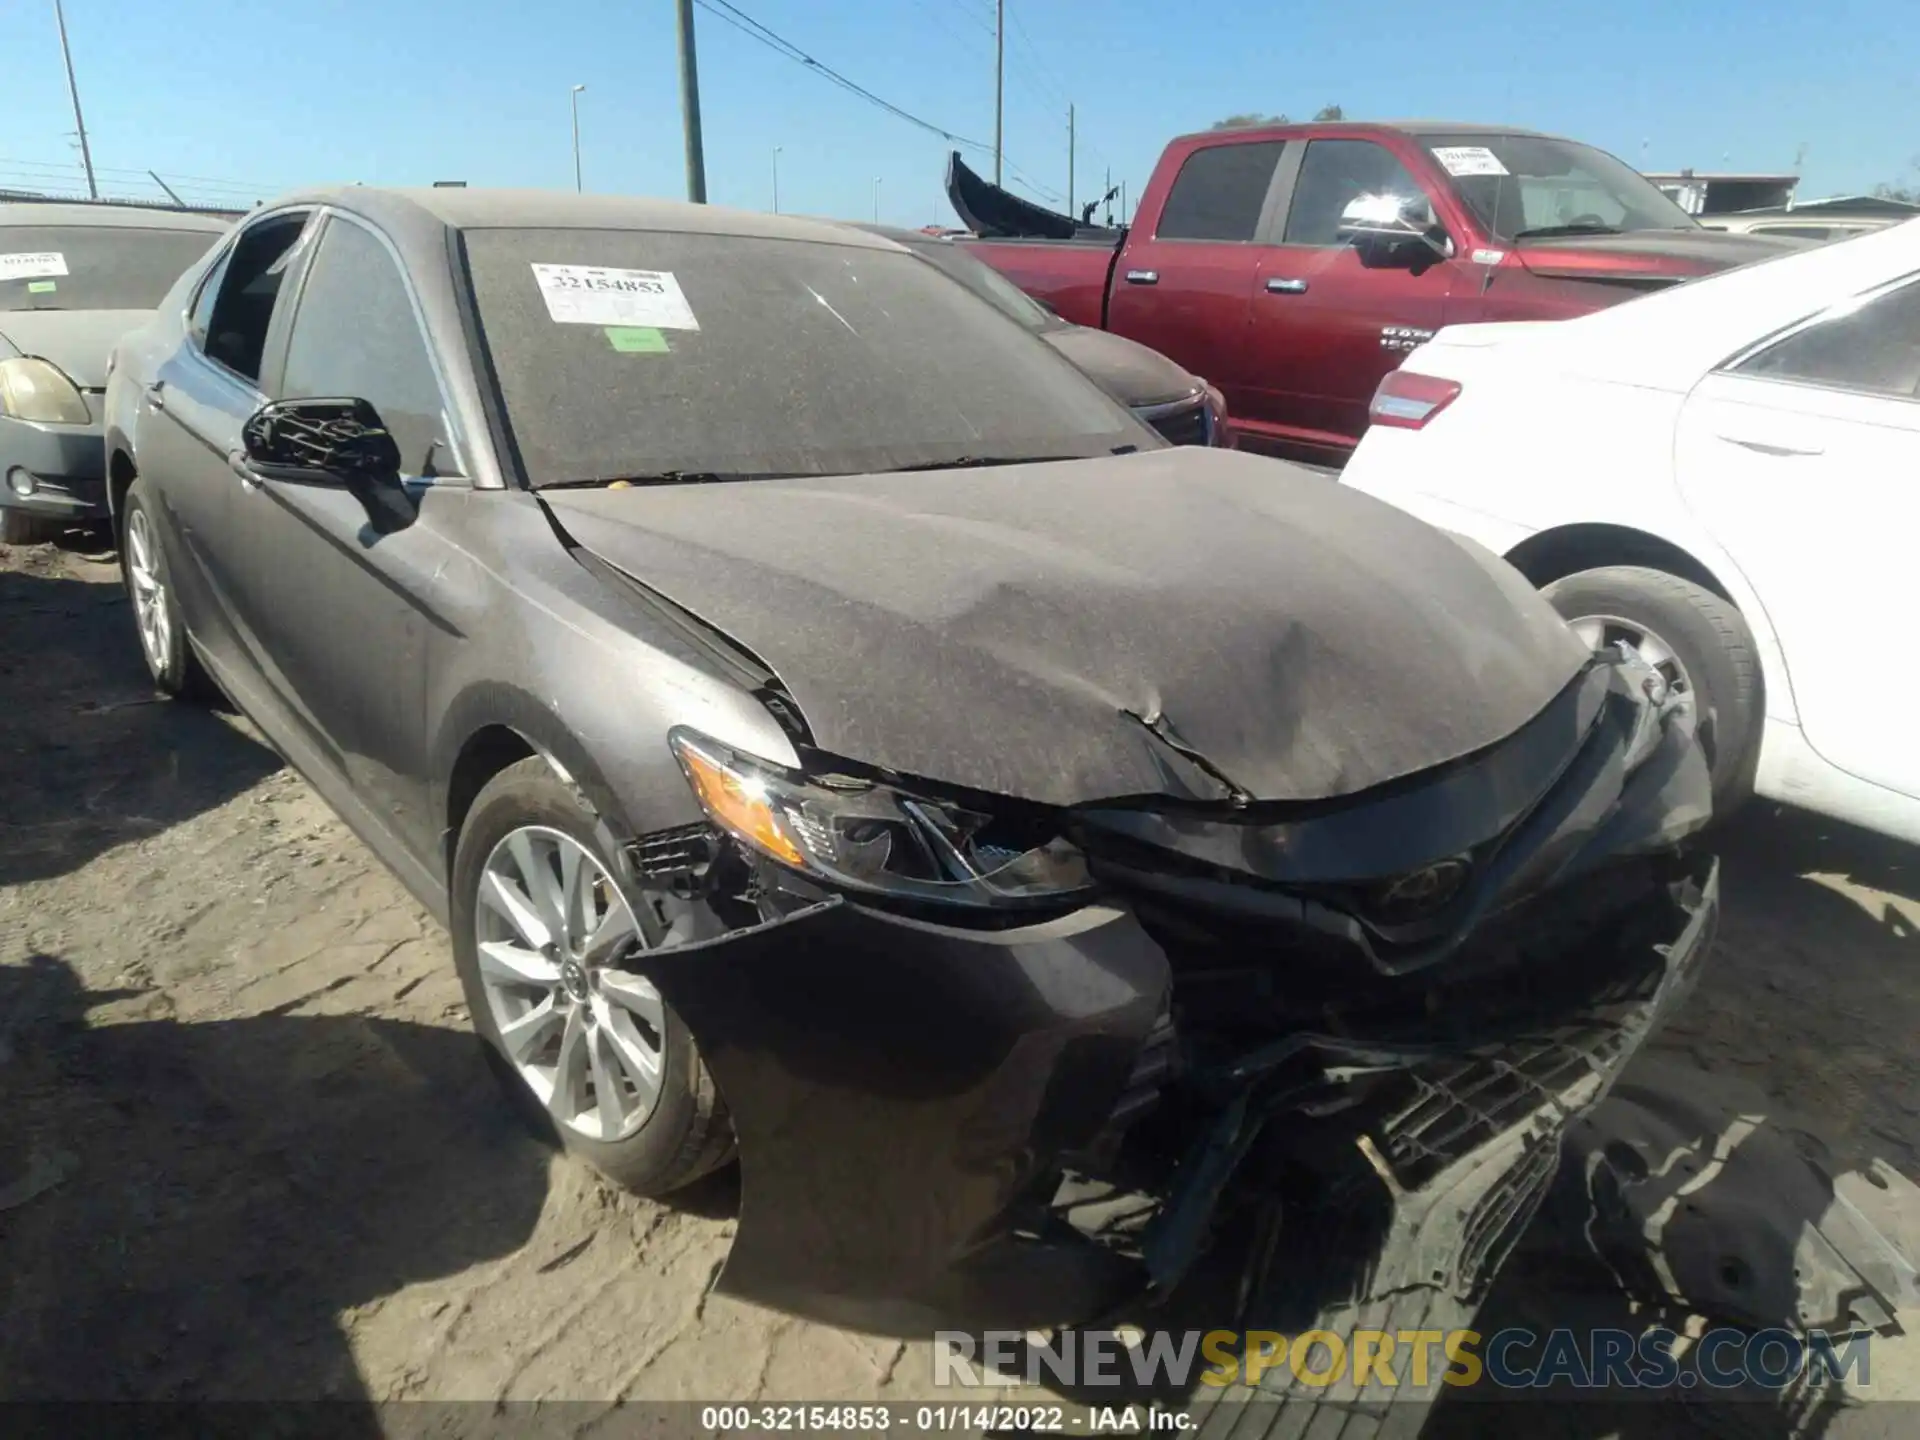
[
  {"x": 32, "y": 265},
  {"x": 1469, "y": 160},
  {"x": 598, "y": 295}
]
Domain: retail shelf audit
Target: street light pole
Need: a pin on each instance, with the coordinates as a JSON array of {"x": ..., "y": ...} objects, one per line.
[
  {"x": 776, "y": 179},
  {"x": 999, "y": 79},
  {"x": 73, "y": 89},
  {"x": 575, "y": 98},
  {"x": 1070, "y": 150},
  {"x": 876, "y": 199},
  {"x": 690, "y": 106}
]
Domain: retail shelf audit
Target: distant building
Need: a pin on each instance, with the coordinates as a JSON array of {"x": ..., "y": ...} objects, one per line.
[{"x": 1703, "y": 193}]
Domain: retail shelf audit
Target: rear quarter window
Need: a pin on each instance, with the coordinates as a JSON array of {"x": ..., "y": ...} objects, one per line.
[{"x": 1220, "y": 192}]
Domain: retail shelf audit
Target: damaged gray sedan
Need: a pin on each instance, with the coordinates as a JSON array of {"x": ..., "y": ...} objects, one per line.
[{"x": 836, "y": 733}]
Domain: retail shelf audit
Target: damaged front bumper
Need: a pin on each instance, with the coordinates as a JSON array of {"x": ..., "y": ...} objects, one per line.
[{"x": 952, "y": 1127}]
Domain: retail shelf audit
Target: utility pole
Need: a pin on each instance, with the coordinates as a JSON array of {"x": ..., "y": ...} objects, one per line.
[
  {"x": 1123, "y": 202},
  {"x": 1106, "y": 193},
  {"x": 690, "y": 106},
  {"x": 776, "y": 179},
  {"x": 876, "y": 199},
  {"x": 999, "y": 79},
  {"x": 1070, "y": 209},
  {"x": 576, "y": 136},
  {"x": 86, "y": 155}
]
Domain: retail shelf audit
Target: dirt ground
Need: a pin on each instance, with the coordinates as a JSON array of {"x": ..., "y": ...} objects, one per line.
[{"x": 248, "y": 1149}]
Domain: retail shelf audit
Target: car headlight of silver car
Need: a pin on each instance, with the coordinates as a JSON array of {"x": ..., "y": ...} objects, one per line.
[
  {"x": 861, "y": 836},
  {"x": 34, "y": 389}
]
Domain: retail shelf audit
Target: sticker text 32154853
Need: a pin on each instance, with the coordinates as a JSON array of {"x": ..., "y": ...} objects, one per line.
[{"x": 603, "y": 295}]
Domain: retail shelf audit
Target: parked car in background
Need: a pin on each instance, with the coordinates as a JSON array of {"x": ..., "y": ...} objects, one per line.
[
  {"x": 1294, "y": 265},
  {"x": 1819, "y": 220},
  {"x": 832, "y": 728},
  {"x": 1185, "y": 409},
  {"x": 73, "y": 279},
  {"x": 1722, "y": 477}
]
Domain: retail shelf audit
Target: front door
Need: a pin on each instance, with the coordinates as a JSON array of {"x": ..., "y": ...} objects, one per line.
[
  {"x": 1326, "y": 324},
  {"x": 337, "y": 586},
  {"x": 1804, "y": 462}
]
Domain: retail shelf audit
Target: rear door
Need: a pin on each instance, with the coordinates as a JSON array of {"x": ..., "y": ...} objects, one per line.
[
  {"x": 187, "y": 425},
  {"x": 1327, "y": 324},
  {"x": 339, "y": 590},
  {"x": 1184, "y": 289},
  {"x": 1803, "y": 458}
]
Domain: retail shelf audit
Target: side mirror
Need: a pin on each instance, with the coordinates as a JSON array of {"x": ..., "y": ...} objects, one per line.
[
  {"x": 320, "y": 442},
  {"x": 1394, "y": 230}
]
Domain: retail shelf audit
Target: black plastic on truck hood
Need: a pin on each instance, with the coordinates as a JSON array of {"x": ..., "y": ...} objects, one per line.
[
  {"x": 1649, "y": 254},
  {"x": 1201, "y": 624}
]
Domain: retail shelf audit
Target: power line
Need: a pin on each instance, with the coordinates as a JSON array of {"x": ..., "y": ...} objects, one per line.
[{"x": 773, "y": 40}]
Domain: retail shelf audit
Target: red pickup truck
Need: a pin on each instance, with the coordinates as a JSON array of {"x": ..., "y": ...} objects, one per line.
[{"x": 1293, "y": 265}]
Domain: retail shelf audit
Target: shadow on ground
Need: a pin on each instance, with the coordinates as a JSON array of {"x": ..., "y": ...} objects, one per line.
[
  {"x": 90, "y": 757},
  {"x": 186, "y": 1209}
]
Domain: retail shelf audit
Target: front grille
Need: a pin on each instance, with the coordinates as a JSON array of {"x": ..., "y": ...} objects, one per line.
[{"x": 1189, "y": 426}]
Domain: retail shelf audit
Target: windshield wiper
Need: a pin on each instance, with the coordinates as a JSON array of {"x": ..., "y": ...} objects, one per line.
[
  {"x": 671, "y": 477},
  {"x": 1543, "y": 230},
  {"x": 980, "y": 462}
]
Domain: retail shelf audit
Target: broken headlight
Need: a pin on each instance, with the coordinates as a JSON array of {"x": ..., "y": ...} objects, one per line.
[{"x": 872, "y": 838}]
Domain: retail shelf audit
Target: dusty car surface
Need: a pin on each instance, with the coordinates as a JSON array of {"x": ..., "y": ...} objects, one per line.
[
  {"x": 834, "y": 730},
  {"x": 73, "y": 279},
  {"x": 1182, "y": 406}
]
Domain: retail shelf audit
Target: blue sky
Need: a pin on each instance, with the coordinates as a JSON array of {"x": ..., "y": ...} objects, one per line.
[{"x": 264, "y": 95}]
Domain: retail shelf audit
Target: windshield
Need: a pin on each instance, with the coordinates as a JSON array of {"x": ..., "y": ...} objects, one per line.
[
  {"x": 93, "y": 267},
  {"x": 1522, "y": 184},
  {"x": 649, "y": 354},
  {"x": 989, "y": 284}
]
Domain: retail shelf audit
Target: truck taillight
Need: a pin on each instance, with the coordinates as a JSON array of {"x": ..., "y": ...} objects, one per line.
[{"x": 1407, "y": 399}]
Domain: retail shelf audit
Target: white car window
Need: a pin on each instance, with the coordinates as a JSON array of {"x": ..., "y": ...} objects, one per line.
[{"x": 1871, "y": 347}]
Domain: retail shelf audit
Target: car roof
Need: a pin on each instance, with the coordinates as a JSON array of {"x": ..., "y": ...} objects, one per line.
[
  {"x": 466, "y": 208},
  {"x": 107, "y": 217},
  {"x": 1417, "y": 128}
]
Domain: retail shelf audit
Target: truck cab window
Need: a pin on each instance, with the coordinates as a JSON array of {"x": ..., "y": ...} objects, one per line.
[
  {"x": 356, "y": 334},
  {"x": 1220, "y": 192},
  {"x": 235, "y": 330},
  {"x": 1333, "y": 174}
]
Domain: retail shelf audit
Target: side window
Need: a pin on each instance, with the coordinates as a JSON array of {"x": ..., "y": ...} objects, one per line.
[
  {"x": 1873, "y": 348},
  {"x": 1336, "y": 172},
  {"x": 201, "y": 316},
  {"x": 1219, "y": 192},
  {"x": 1799, "y": 232},
  {"x": 234, "y": 330},
  {"x": 355, "y": 334}
]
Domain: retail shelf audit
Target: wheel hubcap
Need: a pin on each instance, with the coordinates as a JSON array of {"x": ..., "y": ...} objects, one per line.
[
  {"x": 149, "y": 595},
  {"x": 1603, "y": 632},
  {"x": 551, "y": 930}
]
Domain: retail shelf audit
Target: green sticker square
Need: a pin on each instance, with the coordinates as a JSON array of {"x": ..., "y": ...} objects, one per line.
[
  {"x": 41, "y": 287},
  {"x": 636, "y": 339}
]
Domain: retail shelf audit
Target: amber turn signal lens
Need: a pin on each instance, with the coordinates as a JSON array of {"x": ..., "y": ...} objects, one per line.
[{"x": 740, "y": 805}]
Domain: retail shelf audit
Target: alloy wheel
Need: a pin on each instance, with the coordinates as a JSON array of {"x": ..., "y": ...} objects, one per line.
[
  {"x": 1602, "y": 632},
  {"x": 550, "y": 931},
  {"x": 149, "y": 594}
]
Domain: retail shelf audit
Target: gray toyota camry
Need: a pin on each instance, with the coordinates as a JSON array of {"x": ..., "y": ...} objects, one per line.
[{"x": 838, "y": 734}]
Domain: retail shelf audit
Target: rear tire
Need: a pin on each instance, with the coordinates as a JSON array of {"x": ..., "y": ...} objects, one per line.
[
  {"x": 686, "y": 1131},
  {"x": 159, "y": 625},
  {"x": 1709, "y": 642}
]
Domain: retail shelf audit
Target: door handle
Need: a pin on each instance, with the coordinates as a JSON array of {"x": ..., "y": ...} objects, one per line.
[
  {"x": 1767, "y": 447},
  {"x": 156, "y": 395},
  {"x": 1286, "y": 287},
  {"x": 237, "y": 462},
  {"x": 1143, "y": 277}
]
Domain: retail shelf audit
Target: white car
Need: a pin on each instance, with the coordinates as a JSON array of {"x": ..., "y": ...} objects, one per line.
[{"x": 1725, "y": 475}]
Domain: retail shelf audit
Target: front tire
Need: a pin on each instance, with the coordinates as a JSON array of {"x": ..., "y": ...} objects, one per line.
[
  {"x": 1697, "y": 640},
  {"x": 175, "y": 669},
  {"x": 589, "y": 1052}
]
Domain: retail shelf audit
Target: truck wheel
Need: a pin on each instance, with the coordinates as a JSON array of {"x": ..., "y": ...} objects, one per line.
[
  {"x": 589, "y": 1051},
  {"x": 175, "y": 669},
  {"x": 1693, "y": 637}
]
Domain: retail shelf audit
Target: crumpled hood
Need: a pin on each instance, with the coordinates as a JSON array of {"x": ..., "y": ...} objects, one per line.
[
  {"x": 1649, "y": 254},
  {"x": 1184, "y": 622},
  {"x": 1125, "y": 369},
  {"x": 78, "y": 341}
]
